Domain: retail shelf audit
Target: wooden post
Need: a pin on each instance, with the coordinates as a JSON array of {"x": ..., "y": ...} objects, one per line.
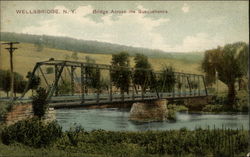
[{"x": 82, "y": 83}]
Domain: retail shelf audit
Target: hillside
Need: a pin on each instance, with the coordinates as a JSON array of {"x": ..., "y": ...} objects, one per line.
[
  {"x": 95, "y": 47},
  {"x": 27, "y": 55}
]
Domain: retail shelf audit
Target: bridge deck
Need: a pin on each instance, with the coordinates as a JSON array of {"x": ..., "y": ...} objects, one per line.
[{"x": 94, "y": 99}]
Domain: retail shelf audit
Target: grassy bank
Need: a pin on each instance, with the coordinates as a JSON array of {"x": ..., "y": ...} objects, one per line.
[{"x": 78, "y": 142}]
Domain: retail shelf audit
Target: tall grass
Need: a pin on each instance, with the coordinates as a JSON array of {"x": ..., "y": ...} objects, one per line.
[{"x": 48, "y": 138}]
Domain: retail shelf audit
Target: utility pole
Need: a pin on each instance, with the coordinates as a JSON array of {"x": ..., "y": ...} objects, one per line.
[{"x": 11, "y": 49}]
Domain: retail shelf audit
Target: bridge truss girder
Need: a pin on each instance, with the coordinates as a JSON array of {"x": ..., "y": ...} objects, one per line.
[{"x": 183, "y": 79}]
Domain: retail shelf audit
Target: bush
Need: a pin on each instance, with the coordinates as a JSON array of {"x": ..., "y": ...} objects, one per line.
[
  {"x": 32, "y": 132},
  {"x": 39, "y": 103},
  {"x": 49, "y": 70},
  {"x": 212, "y": 108},
  {"x": 4, "y": 108},
  {"x": 199, "y": 142},
  {"x": 181, "y": 108}
]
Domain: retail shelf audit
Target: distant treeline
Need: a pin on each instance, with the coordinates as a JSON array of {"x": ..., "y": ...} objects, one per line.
[{"x": 87, "y": 46}]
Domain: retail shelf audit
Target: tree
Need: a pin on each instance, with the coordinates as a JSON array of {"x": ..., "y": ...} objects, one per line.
[
  {"x": 20, "y": 86},
  {"x": 64, "y": 87},
  {"x": 5, "y": 81},
  {"x": 167, "y": 79},
  {"x": 66, "y": 57},
  {"x": 39, "y": 103},
  {"x": 142, "y": 73},
  {"x": 89, "y": 59},
  {"x": 75, "y": 56},
  {"x": 19, "y": 83},
  {"x": 34, "y": 81},
  {"x": 120, "y": 74},
  {"x": 93, "y": 74},
  {"x": 49, "y": 70},
  {"x": 227, "y": 62}
]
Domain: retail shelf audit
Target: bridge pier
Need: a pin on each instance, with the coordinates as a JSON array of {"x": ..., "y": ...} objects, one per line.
[{"x": 155, "y": 110}]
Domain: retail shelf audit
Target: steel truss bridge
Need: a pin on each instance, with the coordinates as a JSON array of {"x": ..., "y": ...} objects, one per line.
[{"x": 80, "y": 92}]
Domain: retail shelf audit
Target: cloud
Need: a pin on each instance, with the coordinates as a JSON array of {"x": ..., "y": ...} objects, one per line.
[
  {"x": 198, "y": 42},
  {"x": 128, "y": 29},
  {"x": 185, "y": 8}
]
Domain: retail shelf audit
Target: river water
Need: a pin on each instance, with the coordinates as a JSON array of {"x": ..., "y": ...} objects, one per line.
[{"x": 114, "y": 119}]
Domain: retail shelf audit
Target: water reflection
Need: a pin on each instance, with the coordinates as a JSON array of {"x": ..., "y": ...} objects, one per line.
[{"x": 118, "y": 120}]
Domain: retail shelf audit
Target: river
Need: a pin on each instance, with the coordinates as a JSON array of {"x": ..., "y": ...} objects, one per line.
[{"x": 114, "y": 119}]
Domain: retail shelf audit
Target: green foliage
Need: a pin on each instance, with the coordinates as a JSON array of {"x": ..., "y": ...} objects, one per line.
[
  {"x": 89, "y": 59},
  {"x": 94, "y": 77},
  {"x": 181, "y": 108},
  {"x": 34, "y": 81},
  {"x": 39, "y": 103},
  {"x": 5, "y": 79},
  {"x": 171, "y": 115},
  {"x": 142, "y": 77},
  {"x": 165, "y": 81},
  {"x": 120, "y": 75},
  {"x": 219, "y": 103},
  {"x": 226, "y": 62},
  {"x": 64, "y": 87},
  {"x": 66, "y": 57},
  {"x": 74, "y": 56},
  {"x": 167, "y": 78},
  {"x": 200, "y": 142},
  {"x": 5, "y": 107},
  {"x": 212, "y": 108},
  {"x": 49, "y": 70},
  {"x": 173, "y": 108},
  {"x": 32, "y": 132}
]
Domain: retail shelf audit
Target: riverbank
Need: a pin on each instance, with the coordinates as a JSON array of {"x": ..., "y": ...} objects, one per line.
[{"x": 78, "y": 142}]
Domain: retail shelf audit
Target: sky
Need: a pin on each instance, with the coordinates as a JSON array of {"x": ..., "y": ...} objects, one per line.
[{"x": 183, "y": 26}]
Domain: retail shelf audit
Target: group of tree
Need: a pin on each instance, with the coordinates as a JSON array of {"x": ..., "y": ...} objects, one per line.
[
  {"x": 228, "y": 64},
  {"x": 142, "y": 76},
  {"x": 19, "y": 82}
]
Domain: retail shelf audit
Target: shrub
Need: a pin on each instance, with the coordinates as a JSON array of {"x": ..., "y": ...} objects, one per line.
[
  {"x": 181, "y": 108},
  {"x": 49, "y": 70},
  {"x": 212, "y": 108},
  {"x": 39, "y": 103},
  {"x": 4, "y": 108},
  {"x": 171, "y": 115},
  {"x": 32, "y": 132}
]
